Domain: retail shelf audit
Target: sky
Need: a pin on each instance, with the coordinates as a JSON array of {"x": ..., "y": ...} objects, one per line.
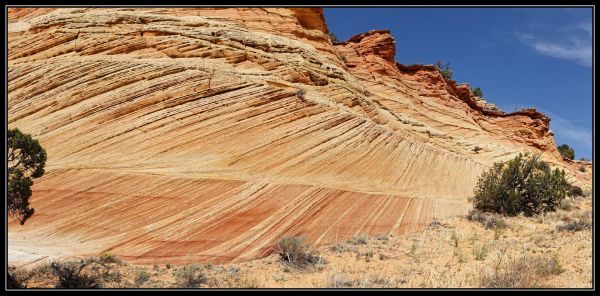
[{"x": 520, "y": 57}]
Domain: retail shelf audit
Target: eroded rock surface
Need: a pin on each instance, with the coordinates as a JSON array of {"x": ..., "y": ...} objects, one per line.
[{"x": 206, "y": 134}]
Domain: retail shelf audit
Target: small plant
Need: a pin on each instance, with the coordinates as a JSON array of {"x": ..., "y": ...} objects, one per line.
[
  {"x": 42, "y": 271},
  {"x": 110, "y": 276},
  {"x": 477, "y": 92},
  {"x": 550, "y": 266},
  {"x": 295, "y": 251},
  {"x": 455, "y": 241},
  {"x": 16, "y": 278},
  {"x": 460, "y": 256},
  {"x": 444, "y": 69},
  {"x": 488, "y": 221},
  {"x": 280, "y": 277},
  {"x": 320, "y": 263},
  {"x": 70, "y": 275},
  {"x": 582, "y": 169},
  {"x": 497, "y": 233},
  {"x": 477, "y": 216},
  {"x": 566, "y": 151},
  {"x": 517, "y": 274},
  {"x": 190, "y": 276},
  {"x": 565, "y": 205},
  {"x": 338, "y": 248},
  {"x": 436, "y": 224},
  {"x": 250, "y": 281},
  {"x": 383, "y": 237},
  {"x": 300, "y": 93},
  {"x": 575, "y": 191},
  {"x": 141, "y": 277},
  {"x": 476, "y": 149},
  {"x": 368, "y": 255},
  {"x": 480, "y": 253},
  {"x": 384, "y": 256},
  {"x": 522, "y": 272},
  {"x": 381, "y": 281},
  {"x": 578, "y": 225},
  {"x": 359, "y": 240},
  {"x": 106, "y": 258},
  {"x": 337, "y": 280},
  {"x": 495, "y": 223},
  {"x": 233, "y": 271},
  {"x": 333, "y": 37},
  {"x": 414, "y": 248}
]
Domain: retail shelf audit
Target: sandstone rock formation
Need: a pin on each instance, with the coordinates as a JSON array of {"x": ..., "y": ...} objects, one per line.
[{"x": 176, "y": 135}]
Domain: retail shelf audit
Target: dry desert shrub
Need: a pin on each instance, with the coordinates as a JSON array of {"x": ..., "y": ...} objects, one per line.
[
  {"x": 41, "y": 272},
  {"x": 249, "y": 281},
  {"x": 340, "y": 248},
  {"x": 359, "y": 240},
  {"x": 487, "y": 220},
  {"x": 565, "y": 205},
  {"x": 92, "y": 272},
  {"x": 480, "y": 253},
  {"x": 517, "y": 274},
  {"x": 75, "y": 275},
  {"x": 476, "y": 216},
  {"x": 338, "y": 280},
  {"x": 524, "y": 272},
  {"x": 381, "y": 281},
  {"x": 383, "y": 237},
  {"x": 190, "y": 276},
  {"x": 577, "y": 225},
  {"x": 435, "y": 224},
  {"x": 548, "y": 266},
  {"x": 293, "y": 250},
  {"x": 301, "y": 93},
  {"x": 141, "y": 277},
  {"x": 368, "y": 255},
  {"x": 461, "y": 258},
  {"x": 16, "y": 278},
  {"x": 106, "y": 258}
]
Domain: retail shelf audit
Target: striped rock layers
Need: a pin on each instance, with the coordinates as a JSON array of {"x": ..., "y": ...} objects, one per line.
[{"x": 177, "y": 135}]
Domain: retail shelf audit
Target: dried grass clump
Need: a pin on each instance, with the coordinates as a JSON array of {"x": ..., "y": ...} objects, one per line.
[{"x": 293, "y": 250}]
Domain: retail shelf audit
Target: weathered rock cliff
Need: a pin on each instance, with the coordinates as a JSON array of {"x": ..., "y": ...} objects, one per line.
[{"x": 206, "y": 134}]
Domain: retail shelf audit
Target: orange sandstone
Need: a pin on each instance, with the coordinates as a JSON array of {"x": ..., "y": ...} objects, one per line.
[{"x": 178, "y": 135}]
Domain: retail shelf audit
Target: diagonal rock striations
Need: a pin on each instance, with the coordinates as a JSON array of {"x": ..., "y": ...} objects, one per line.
[{"x": 206, "y": 134}]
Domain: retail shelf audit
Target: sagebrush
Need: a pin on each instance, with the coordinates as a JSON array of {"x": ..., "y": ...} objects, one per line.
[{"x": 294, "y": 250}]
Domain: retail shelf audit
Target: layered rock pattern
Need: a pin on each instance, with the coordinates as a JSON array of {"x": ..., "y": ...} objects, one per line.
[{"x": 207, "y": 134}]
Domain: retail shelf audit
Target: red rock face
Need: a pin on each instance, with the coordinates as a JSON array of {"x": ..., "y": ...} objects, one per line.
[
  {"x": 207, "y": 134},
  {"x": 375, "y": 42},
  {"x": 370, "y": 55}
]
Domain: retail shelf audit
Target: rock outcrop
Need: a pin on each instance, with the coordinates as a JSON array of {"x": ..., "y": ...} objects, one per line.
[{"x": 206, "y": 134}]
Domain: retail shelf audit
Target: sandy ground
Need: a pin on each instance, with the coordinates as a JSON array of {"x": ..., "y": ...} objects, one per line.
[{"x": 454, "y": 252}]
